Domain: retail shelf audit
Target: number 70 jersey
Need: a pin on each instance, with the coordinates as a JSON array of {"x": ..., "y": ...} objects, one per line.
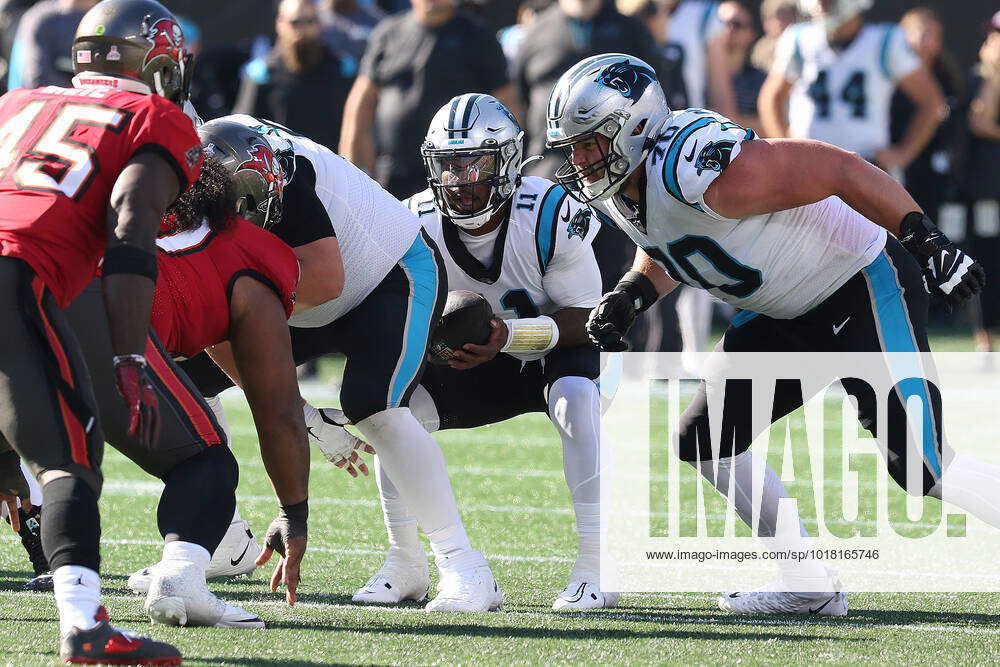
[{"x": 779, "y": 264}]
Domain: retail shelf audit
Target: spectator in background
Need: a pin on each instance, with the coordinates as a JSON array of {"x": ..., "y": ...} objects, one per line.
[
  {"x": 415, "y": 62},
  {"x": 348, "y": 25},
  {"x": 775, "y": 16},
  {"x": 695, "y": 39},
  {"x": 41, "y": 52},
  {"x": 929, "y": 176},
  {"x": 740, "y": 34},
  {"x": 11, "y": 12},
  {"x": 653, "y": 14},
  {"x": 512, "y": 36},
  {"x": 981, "y": 180},
  {"x": 301, "y": 83}
]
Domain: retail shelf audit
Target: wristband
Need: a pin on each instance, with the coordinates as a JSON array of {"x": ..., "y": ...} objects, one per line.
[
  {"x": 639, "y": 288},
  {"x": 129, "y": 259},
  {"x": 295, "y": 514},
  {"x": 132, "y": 359},
  {"x": 531, "y": 334}
]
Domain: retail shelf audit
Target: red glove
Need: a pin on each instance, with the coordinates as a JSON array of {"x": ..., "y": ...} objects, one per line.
[{"x": 140, "y": 398}]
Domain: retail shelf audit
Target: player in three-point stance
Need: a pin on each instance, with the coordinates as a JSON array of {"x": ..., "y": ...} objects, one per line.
[
  {"x": 525, "y": 245},
  {"x": 794, "y": 232}
]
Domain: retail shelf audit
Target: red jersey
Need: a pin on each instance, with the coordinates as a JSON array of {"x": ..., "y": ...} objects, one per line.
[
  {"x": 61, "y": 151},
  {"x": 197, "y": 270}
]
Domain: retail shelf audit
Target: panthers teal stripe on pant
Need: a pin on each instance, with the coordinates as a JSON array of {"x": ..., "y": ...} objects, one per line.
[
  {"x": 426, "y": 279},
  {"x": 896, "y": 335}
]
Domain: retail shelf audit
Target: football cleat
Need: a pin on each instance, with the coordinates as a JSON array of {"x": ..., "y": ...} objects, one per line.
[
  {"x": 401, "y": 577},
  {"x": 772, "y": 600},
  {"x": 178, "y": 596},
  {"x": 235, "y": 555},
  {"x": 581, "y": 595},
  {"x": 105, "y": 644},
  {"x": 472, "y": 590},
  {"x": 40, "y": 584}
]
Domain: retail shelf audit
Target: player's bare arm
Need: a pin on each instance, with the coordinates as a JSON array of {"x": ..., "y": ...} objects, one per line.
[
  {"x": 322, "y": 273},
  {"x": 777, "y": 174},
  {"x": 262, "y": 351},
  {"x": 931, "y": 109}
]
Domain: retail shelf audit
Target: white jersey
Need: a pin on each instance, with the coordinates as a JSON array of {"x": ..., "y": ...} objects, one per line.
[
  {"x": 692, "y": 25},
  {"x": 843, "y": 96},
  {"x": 373, "y": 229},
  {"x": 539, "y": 262},
  {"x": 780, "y": 264}
]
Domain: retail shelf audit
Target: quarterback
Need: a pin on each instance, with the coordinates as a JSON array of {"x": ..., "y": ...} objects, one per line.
[
  {"x": 793, "y": 232},
  {"x": 525, "y": 246}
]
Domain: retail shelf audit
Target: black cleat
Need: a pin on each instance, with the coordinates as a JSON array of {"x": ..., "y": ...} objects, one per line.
[
  {"x": 105, "y": 644},
  {"x": 40, "y": 584}
]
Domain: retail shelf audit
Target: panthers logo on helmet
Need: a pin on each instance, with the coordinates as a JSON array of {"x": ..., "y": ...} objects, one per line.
[
  {"x": 167, "y": 39},
  {"x": 579, "y": 225},
  {"x": 265, "y": 164},
  {"x": 628, "y": 79},
  {"x": 715, "y": 156}
]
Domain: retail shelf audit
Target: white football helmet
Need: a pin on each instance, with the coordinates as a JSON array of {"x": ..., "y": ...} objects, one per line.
[
  {"x": 613, "y": 95},
  {"x": 472, "y": 155},
  {"x": 833, "y": 13}
]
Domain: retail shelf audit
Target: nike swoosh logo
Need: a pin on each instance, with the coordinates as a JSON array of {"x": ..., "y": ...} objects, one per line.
[
  {"x": 691, "y": 156},
  {"x": 836, "y": 329},
  {"x": 236, "y": 561},
  {"x": 565, "y": 218},
  {"x": 311, "y": 434},
  {"x": 823, "y": 606}
]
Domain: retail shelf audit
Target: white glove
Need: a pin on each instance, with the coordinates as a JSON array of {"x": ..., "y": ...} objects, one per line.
[{"x": 339, "y": 446}]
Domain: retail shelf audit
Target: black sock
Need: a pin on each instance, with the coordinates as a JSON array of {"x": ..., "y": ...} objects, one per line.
[
  {"x": 72, "y": 523},
  {"x": 199, "y": 499}
]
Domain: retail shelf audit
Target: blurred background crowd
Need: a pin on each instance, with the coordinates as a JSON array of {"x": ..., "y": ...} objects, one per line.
[{"x": 364, "y": 77}]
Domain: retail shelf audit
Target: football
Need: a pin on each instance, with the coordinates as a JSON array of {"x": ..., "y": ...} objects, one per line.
[{"x": 466, "y": 319}]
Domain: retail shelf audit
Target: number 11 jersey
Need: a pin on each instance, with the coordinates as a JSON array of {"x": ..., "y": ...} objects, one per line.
[
  {"x": 779, "y": 264},
  {"x": 61, "y": 151}
]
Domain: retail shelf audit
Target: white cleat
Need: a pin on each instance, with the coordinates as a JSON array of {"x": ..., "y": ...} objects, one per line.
[
  {"x": 582, "y": 595},
  {"x": 772, "y": 600},
  {"x": 402, "y": 577},
  {"x": 178, "y": 596},
  {"x": 472, "y": 590},
  {"x": 236, "y": 555}
]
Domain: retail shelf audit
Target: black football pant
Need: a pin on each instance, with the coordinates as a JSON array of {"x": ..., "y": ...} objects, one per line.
[
  {"x": 48, "y": 414},
  {"x": 191, "y": 457},
  {"x": 882, "y": 308}
]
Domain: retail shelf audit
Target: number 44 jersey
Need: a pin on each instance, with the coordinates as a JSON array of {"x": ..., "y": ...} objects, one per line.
[
  {"x": 537, "y": 262},
  {"x": 61, "y": 151},
  {"x": 780, "y": 264}
]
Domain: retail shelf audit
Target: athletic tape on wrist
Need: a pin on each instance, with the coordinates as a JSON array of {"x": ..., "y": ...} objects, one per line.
[{"x": 531, "y": 334}]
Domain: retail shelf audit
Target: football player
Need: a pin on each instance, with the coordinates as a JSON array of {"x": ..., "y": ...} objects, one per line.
[
  {"x": 794, "y": 233},
  {"x": 220, "y": 278},
  {"x": 372, "y": 286},
  {"x": 836, "y": 75},
  {"x": 525, "y": 245},
  {"x": 87, "y": 173}
]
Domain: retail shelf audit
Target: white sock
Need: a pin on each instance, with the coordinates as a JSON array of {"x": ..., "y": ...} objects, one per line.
[
  {"x": 186, "y": 552},
  {"x": 736, "y": 474},
  {"x": 78, "y": 595},
  {"x": 399, "y": 523},
  {"x": 215, "y": 402},
  {"x": 413, "y": 461},
  {"x": 575, "y": 410},
  {"x": 973, "y": 486},
  {"x": 36, "y": 491}
]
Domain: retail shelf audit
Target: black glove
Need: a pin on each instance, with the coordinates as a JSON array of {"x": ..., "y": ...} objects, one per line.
[
  {"x": 292, "y": 521},
  {"x": 11, "y": 478},
  {"x": 616, "y": 313},
  {"x": 949, "y": 273}
]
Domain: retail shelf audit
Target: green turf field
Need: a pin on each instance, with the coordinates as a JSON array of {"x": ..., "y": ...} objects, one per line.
[{"x": 508, "y": 480}]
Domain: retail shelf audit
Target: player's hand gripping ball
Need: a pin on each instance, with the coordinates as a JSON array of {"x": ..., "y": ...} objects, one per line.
[{"x": 466, "y": 319}]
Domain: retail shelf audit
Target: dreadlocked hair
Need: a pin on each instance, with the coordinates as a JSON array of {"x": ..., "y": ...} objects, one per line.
[{"x": 211, "y": 196}]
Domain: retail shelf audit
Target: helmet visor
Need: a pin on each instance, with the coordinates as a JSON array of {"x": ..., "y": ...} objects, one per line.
[{"x": 464, "y": 180}]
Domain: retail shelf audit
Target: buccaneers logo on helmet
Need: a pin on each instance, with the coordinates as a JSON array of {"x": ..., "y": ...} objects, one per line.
[
  {"x": 167, "y": 39},
  {"x": 266, "y": 164}
]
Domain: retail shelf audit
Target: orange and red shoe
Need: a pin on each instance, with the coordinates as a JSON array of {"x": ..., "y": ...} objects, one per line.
[{"x": 105, "y": 644}]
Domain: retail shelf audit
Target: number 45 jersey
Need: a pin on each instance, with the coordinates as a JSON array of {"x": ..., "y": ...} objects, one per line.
[
  {"x": 541, "y": 259},
  {"x": 780, "y": 264},
  {"x": 61, "y": 151}
]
